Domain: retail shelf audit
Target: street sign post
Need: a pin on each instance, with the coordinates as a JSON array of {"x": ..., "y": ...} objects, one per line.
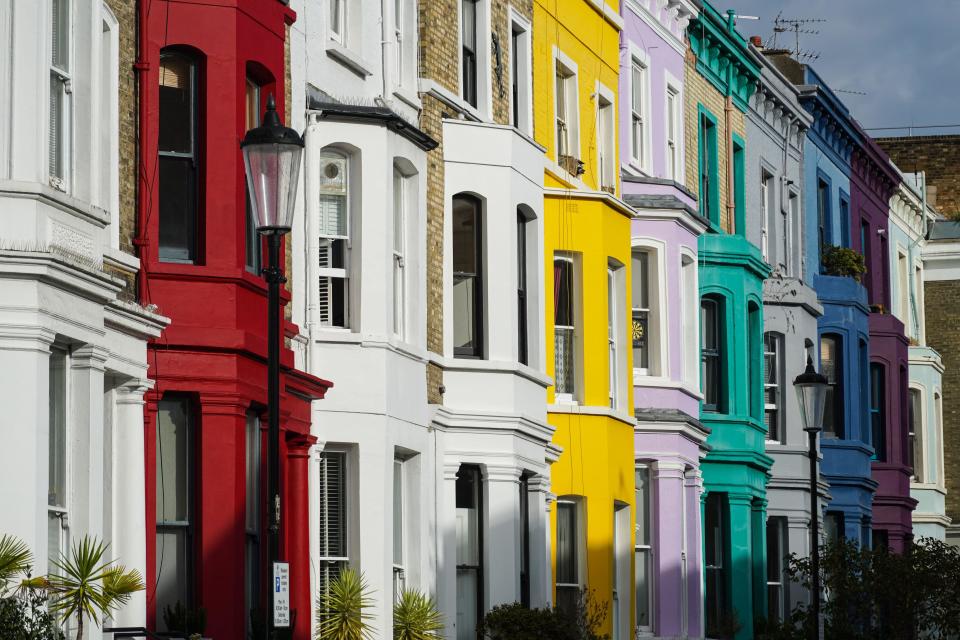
[{"x": 281, "y": 594}]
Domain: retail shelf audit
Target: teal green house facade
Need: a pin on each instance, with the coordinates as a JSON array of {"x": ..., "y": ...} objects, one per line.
[{"x": 731, "y": 274}]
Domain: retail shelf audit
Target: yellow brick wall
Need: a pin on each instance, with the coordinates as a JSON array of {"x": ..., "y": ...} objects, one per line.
[{"x": 699, "y": 91}]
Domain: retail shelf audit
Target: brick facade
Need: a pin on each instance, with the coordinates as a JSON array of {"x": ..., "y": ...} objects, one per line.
[
  {"x": 439, "y": 56},
  {"x": 942, "y": 299},
  {"x": 699, "y": 91},
  {"x": 939, "y": 156}
]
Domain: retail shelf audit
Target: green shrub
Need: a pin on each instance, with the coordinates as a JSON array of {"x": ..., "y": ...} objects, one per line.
[
  {"x": 841, "y": 261},
  {"x": 340, "y": 610},
  {"x": 185, "y": 620},
  {"x": 516, "y": 622},
  {"x": 24, "y": 616},
  {"x": 415, "y": 617}
]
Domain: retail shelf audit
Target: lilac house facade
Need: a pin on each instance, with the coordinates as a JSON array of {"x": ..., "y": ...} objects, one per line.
[{"x": 668, "y": 439}]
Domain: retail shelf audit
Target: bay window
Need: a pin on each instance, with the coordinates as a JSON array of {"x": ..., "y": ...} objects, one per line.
[
  {"x": 915, "y": 434},
  {"x": 773, "y": 385},
  {"x": 175, "y": 502},
  {"x": 59, "y": 134},
  {"x": 335, "y": 240},
  {"x": 469, "y": 496},
  {"x": 878, "y": 417},
  {"x": 57, "y": 520},
  {"x": 252, "y": 543},
  {"x": 831, "y": 366},
  {"x": 399, "y": 252},
  {"x": 332, "y": 528},
  {"x": 569, "y": 553},
  {"x": 566, "y": 361},
  {"x": 468, "y": 311},
  {"x": 468, "y": 52},
  {"x": 642, "y": 549},
  {"x": 711, "y": 352},
  {"x": 834, "y": 527},
  {"x": 179, "y": 157}
]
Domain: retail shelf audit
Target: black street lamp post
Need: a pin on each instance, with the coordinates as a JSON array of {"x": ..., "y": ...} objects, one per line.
[
  {"x": 271, "y": 157},
  {"x": 812, "y": 394}
]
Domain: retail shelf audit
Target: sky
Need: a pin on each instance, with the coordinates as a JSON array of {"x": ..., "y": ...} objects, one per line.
[{"x": 905, "y": 56}]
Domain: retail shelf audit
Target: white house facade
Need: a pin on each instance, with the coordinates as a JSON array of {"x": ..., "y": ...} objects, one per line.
[{"x": 73, "y": 358}]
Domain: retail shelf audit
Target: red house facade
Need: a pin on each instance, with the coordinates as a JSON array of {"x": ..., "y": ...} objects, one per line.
[{"x": 205, "y": 70}]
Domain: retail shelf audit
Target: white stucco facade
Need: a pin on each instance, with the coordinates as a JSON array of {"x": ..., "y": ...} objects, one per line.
[{"x": 73, "y": 358}]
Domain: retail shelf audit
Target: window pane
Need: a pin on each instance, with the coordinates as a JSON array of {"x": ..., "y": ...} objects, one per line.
[
  {"x": 465, "y": 230},
  {"x": 60, "y": 34},
  {"x": 567, "y": 557},
  {"x": 468, "y": 589},
  {"x": 642, "y": 578},
  {"x": 57, "y": 492},
  {"x": 333, "y": 508},
  {"x": 469, "y": 572},
  {"x": 253, "y": 472},
  {"x": 173, "y": 569},
  {"x": 176, "y": 104},
  {"x": 173, "y": 459},
  {"x": 398, "y": 194},
  {"x": 643, "y": 506},
  {"x": 398, "y": 512},
  {"x": 177, "y": 208},
  {"x": 563, "y": 285},
  {"x": 55, "y": 150}
]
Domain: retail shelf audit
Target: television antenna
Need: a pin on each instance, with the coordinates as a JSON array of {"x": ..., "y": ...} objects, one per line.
[{"x": 795, "y": 26}]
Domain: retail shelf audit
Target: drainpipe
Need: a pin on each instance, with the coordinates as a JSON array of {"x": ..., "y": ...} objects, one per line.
[
  {"x": 383, "y": 47},
  {"x": 143, "y": 193},
  {"x": 731, "y": 202}
]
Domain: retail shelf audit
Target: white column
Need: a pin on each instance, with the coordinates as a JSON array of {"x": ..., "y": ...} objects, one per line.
[
  {"x": 24, "y": 456},
  {"x": 447, "y": 549},
  {"x": 541, "y": 577},
  {"x": 86, "y": 442},
  {"x": 501, "y": 531},
  {"x": 128, "y": 507}
]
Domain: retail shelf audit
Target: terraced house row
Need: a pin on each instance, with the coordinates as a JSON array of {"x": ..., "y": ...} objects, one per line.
[{"x": 554, "y": 267}]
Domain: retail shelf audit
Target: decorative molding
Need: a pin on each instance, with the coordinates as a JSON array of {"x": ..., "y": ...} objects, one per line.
[{"x": 723, "y": 56}]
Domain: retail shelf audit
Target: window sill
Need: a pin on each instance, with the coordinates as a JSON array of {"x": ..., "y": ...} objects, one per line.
[
  {"x": 336, "y": 334},
  {"x": 407, "y": 97},
  {"x": 121, "y": 260},
  {"x": 349, "y": 59}
]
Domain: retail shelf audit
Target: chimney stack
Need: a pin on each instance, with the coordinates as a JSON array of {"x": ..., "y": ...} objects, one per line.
[{"x": 756, "y": 41}]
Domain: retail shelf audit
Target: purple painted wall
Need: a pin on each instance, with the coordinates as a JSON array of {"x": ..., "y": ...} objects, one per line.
[
  {"x": 668, "y": 437},
  {"x": 872, "y": 182}
]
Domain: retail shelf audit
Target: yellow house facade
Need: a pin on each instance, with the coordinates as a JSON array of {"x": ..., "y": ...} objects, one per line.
[{"x": 587, "y": 254}]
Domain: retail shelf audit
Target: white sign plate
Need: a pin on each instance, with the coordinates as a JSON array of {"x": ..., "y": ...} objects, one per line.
[{"x": 281, "y": 594}]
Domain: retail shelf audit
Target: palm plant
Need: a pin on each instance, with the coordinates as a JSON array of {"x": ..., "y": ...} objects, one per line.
[
  {"x": 88, "y": 587},
  {"x": 415, "y": 617},
  {"x": 340, "y": 610},
  {"x": 15, "y": 560}
]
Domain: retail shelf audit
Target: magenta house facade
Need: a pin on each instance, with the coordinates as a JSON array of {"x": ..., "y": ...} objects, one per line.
[{"x": 668, "y": 438}]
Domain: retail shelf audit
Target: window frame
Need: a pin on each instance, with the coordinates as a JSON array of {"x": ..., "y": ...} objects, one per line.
[
  {"x": 338, "y": 25},
  {"x": 767, "y": 200},
  {"x": 399, "y": 253},
  {"x": 691, "y": 318},
  {"x": 708, "y": 166},
  {"x": 716, "y": 506},
  {"x": 824, "y": 212},
  {"x": 477, "y": 349},
  {"x": 253, "y": 256},
  {"x": 836, "y": 386},
  {"x": 399, "y": 539},
  {"x": 916, "y": 433},
  {"x": 739, "y": 152},
  {"x": 521, "y": 84},
  {"x": 778, "y": 385},
  {"x": 575, "y": 505},
  {"x": 326, "y": 310},
  {"x": 780, "y": 533},
  {"x": 566, "y": 94},
  {"x": 640, "y": 312},
  {"x": 614, "y": 295},
  {"x": 523, "y": 312},
  {"x": 192, "y": 239},
  {"x": 253, "y": 526},
  {"x": 673, "y": 128},
  {"x": 607, "y": 162},
  {"x": 567, "y": 393},
  {"x": 188, "y": 526},
  {"x": 878, "y": 410},
  {"x": 58, "y": 452},
  {"x": 643, "y": 545},
  {"x": 478, "y": 481},
  {"x": 903, "y": 284},
  {"x": 470, "y": 57},
  {"x": 60, "y": 116},
  {"x": 715, "y": 354},
  {"x": 844, "y": 219},
  {"x": 329, "y": 565}
]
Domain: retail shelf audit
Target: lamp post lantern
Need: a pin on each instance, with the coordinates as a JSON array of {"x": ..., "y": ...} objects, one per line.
[
  {"x": 271, "y": 158},
  {"x": 812, "y": 395}
]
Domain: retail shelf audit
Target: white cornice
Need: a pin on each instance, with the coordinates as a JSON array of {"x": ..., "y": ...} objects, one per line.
[{"x": 668, "y": 35}]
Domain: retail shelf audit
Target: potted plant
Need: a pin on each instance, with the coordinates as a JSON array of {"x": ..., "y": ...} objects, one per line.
[{"x": 841, "y": 261}]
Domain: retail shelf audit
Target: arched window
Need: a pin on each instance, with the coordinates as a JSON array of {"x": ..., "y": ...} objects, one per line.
[
  {"x": 522, "y": 297},
  {"x": 831, "y": 366},
  {"x": 711, "y": 352},
  {"x": 179, "y": 157},
  {"x": 467, "y": 277},
  {"x": 878, "y": 417},
  {"x": 334, "y": 249}
]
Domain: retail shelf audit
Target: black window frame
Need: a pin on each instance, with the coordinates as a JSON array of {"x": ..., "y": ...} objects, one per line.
[
  {"x": 525, "y": 538},
  {"x": 190, "y": 254},
  {"x": 475, "y": 477},
  {"x": 476, "y": 349},
  {"x": 712, "y": 397},
  {"x": 522, "y": 311},
  {"x": 716, "y": 571}
]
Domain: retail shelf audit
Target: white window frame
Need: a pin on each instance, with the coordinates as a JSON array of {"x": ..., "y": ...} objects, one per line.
[
  {"x": 399, "y": 568},
  {"x": 767, "y": 199},
  {"x": 673, "y": 136},
  {"x": 640, "y": 119},
  {"x": 903, "y": 286},
  {"x": 109, "y": 139},
  {"x": 613, "y": 337},
  {"x": 606, "y": 139},
  {"x": 342, "y": 561},
  {"x": 792, "y": 240},
  {"x": 577, "y": 504},
  {"x": 565, "y": 68},
  {"x": 523, "y": 67},
  {"x": 919, "y": 433},
  {"x": 918, "y": 302},
  {"x": 325, "y": 313},
  {"x": 644, "y": 547},
  {"x": 399, "y": 30},
  {"x": 59, "y": 164},
  {"x": 778, "y": 385},
  {"x": 571, "y": 397},
  {"x": 690, "y": 324},
  {"x": 657, "y": 326},
  {"x": 400, "y": 188},
  {"x": 783, "y": 584},
  {"x": 60, "y": 511},
  {"x": 338, "y": 28},
  {"x": 939, "y": 480},
  {"x": 484, "y": 105}
]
